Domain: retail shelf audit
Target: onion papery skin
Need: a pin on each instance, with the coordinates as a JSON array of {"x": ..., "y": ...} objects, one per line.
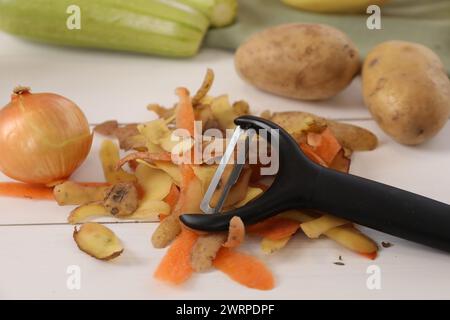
[{"x": 44, "y": 138}]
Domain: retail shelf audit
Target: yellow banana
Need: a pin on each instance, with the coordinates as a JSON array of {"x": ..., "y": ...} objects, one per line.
[{"x": 334, "y": 6}]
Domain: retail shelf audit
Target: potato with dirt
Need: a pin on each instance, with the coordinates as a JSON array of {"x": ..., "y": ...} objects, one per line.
[
  {"x": 300, "y": 61},
  {"x": 407, "y": 90}
]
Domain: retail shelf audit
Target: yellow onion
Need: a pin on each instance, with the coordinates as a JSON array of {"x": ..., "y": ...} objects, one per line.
[{"x": 44, "y": 137}]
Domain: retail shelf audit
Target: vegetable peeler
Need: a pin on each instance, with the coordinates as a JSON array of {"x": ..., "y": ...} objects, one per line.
[{"x": 303, "y": 184}]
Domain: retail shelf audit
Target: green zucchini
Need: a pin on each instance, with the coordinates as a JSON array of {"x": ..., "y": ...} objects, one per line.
[
  {"x": 162, "y": 27},
  {"x": 221, "y": 13}
]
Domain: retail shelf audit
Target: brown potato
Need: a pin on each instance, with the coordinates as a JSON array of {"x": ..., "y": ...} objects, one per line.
[
  {"x": 300, "y": 61},
  {"x": 407, "y": 91}
]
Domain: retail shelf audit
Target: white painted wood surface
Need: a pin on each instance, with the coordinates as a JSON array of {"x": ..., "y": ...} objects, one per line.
[{"x": 36, "y": 243}]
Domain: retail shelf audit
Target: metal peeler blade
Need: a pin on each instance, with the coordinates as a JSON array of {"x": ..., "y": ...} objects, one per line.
[{"x": 205, "y": 205}]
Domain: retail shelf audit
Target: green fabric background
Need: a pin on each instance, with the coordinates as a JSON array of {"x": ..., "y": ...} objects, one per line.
[{"x": 423, "y": 21}]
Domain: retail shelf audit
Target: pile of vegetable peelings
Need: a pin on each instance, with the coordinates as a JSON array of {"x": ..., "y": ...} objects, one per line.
[{"x": 147, "y": 185}]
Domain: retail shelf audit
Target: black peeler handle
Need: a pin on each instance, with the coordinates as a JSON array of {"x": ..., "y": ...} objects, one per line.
[
  {"x": 382, "y": 207},
  {"x": 301, "y": 183}
]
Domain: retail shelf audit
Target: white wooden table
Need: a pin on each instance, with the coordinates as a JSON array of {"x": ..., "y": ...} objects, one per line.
[{"x": 36, "y": 245}]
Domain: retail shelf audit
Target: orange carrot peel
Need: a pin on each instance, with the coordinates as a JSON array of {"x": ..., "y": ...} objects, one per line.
[
  {"x": 172, "y": 197},
  {"x": 244, "y": 269},
  {"x": 185, "y": 117},
  {"x": 325, "y": 145},
  {"x": 176, "y": 267},
  {"x": 26, "y": 191}
]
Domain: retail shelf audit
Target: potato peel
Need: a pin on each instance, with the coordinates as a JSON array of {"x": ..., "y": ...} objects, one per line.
[
  {"x": 353, "y": 239},
  {"x": 205, "y": 250},
  {"x": 353, "y": 137},
  {"x": 252, "y": 193},
  {"x": 87, "y": 211},
  {"x": 165, "y": 113},
  {"x": 269, "y": 246},
  {"x": 236, "y": 233},
  {"x": 204, "y": 88},
  {"x": 188, "y": 202},
  {"x": 136, "y": 142},
  {"x": 97, "y": 241},
  {"x": 167, "y": 230},
  {"x": 155, "y": 131},
  {"x": 149, "y": 210},
  {"x": 349, "y": 136},
  {"x": 204, "y": 114},
  {"x": 107, "y": 128},
  {"x": 237, "y": 192},
  {"x": 347, "y": 235},
  {"x": 205, "y": 174},
  {"x": 315, "y": 228},
  {"x": 129, "y": 137},
  {"x": 223, "y": 112},
  {"x": 121, "y": 199},
  {"x": 171, "y": 169},
  {"x": 72, "y": 193},
  {"x": 109, "y": 156},
  {"x": 149, "y": 157},
  {"x": 156, "y": 183},
  {"x": 241, "y": 108}
]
